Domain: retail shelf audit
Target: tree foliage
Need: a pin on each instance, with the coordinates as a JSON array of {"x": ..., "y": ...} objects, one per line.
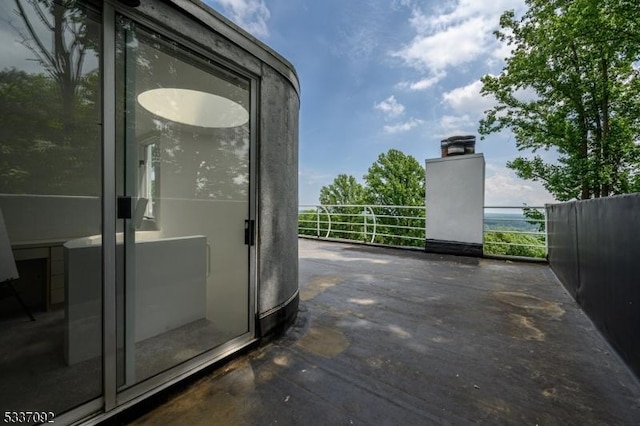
[
  {"x": 42, "y": 153},
  {"x": 571, "y": 85},
  {"x": 50, "y": 143},
  {"x": 345, "y": 189},
  {"x": 395, "y": 179},
  {"x": 505, "y": 243},
  {"x": 535, "y": 218},
  {"x": 340, "y": 196}
]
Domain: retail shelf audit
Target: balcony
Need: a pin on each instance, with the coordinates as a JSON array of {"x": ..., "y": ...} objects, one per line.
[{"x": 389, "y": 336}]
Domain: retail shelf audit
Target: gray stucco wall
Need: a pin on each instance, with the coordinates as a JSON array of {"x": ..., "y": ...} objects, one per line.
[{"x": 278, "y": 200}]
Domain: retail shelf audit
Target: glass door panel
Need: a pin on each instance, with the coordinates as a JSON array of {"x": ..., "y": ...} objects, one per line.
[
  {"x": 183, "y": 181},
  {"x": 50, "y": 207}
]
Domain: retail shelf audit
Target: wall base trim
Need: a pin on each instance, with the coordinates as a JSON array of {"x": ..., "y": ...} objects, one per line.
[
  {"x": 453, "y": 247},
  {"x": 278, "y": 320}
]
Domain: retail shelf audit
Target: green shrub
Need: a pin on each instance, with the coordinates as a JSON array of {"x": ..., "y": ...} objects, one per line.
[{"x": 514, "y": 244}]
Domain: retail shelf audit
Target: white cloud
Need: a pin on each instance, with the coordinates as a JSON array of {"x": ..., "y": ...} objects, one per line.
[
  {"x": 457, "y": 125},
  {"x": 468, "y": 100},
  {"x": 527, "y": 94},
  {"x": 403, "y": 127},
  {"x": 466, "y": 9},
  {"x": 501, "y": 52},
  {"x": 423, "y": 84},
  {"x": 459, "y": 33},
  {"x": 251, "y": 15},
  {"x": 455, "y": 45},
  {"x": 390, "y": 107},
  {"x": 503, "y": 188}
]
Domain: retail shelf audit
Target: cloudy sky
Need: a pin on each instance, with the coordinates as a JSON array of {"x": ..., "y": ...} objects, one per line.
[{"x": 381, "y": 74}]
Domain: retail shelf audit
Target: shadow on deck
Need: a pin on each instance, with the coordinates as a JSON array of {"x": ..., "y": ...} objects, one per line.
[{"x": 405, "y": 338}]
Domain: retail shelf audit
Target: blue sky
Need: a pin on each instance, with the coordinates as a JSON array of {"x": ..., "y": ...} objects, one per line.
[{"x": 381, "y": 74}]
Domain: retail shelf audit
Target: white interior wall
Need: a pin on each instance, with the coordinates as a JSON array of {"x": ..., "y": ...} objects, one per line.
[{"x": 221, "y": 221}]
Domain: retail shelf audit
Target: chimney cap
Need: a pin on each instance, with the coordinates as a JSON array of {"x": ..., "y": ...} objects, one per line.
[{"x": 460, "y": 138}]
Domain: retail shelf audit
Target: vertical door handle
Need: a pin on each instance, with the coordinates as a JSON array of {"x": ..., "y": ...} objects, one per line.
[
  {"x": 125, "y": 207},
  {"x": 250, "y": 232}
]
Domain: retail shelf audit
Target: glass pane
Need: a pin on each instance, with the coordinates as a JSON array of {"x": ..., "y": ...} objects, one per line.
[
  {"x": 50, "y": 202},
  {"x": 184, "y": 127}
]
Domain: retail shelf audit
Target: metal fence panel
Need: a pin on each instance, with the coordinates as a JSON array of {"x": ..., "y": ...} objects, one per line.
[{"x": 607, "y": 250}]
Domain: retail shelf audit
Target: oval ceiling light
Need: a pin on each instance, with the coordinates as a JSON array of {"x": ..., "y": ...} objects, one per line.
[{"x": 193, "y": 107}]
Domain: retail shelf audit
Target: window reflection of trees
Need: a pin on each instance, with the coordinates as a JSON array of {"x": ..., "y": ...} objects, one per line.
[
  {"x": 49, "y": 118},
  {"x": 203, "y": 163},
  {"x": 213, "y": 164}
]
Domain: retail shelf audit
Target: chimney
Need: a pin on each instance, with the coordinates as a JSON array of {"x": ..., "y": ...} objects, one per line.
[{"x": 458, "y": 145}]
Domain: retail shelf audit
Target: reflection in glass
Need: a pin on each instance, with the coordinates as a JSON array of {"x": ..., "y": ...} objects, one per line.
[
  {"x": 184, "y": 286},
  {"x": 50, "y": 174},
  {"x": 193, "y": 107}
]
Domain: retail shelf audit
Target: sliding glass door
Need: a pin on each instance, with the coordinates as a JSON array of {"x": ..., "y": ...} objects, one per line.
[
  {"x": 125, "y": 209},
  {"x": 50, "y": 208},
  {"x": 182, "y": 180}
]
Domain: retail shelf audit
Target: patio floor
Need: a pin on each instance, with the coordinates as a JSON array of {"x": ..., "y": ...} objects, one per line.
[{"x": 393, "y": 337}]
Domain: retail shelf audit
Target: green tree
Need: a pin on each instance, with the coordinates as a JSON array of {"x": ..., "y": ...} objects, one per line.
[
  {"x": 397, "y": 179},
  {"x": 571, "y": 85},
  {"x": 344, "y": 190},
  {"x": 393, "y": 181},
  {"x": 340, "y": 195},
  {"x": 535, "y": 218}
]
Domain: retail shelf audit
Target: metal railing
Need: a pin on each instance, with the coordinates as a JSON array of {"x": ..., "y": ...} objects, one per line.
[
  {"x": 506, "y": 229},
  {"x": 373, "y": 224}
]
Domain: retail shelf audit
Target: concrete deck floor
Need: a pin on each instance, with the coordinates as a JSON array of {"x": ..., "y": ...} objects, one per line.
[{"x": 391, "y": 337}]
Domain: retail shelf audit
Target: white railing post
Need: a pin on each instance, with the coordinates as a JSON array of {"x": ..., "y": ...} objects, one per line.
[
  {"x": 326, "y": 210},
  {"x": 373, "y": 216},
  {"x": 364, "y": 225}
]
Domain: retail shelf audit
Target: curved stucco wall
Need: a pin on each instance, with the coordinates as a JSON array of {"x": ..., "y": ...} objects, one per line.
[
  {"x": 278, "y": 205},
  {"x": 277, "y": 146}
]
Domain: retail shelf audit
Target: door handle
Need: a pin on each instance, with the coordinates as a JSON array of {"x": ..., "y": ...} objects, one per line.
[
  {"x": 125, "y": 207},
  {"x": 250, "y": 232}
]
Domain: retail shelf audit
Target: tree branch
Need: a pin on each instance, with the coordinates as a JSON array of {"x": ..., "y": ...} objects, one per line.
[{"x": 43, "y": 52}]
